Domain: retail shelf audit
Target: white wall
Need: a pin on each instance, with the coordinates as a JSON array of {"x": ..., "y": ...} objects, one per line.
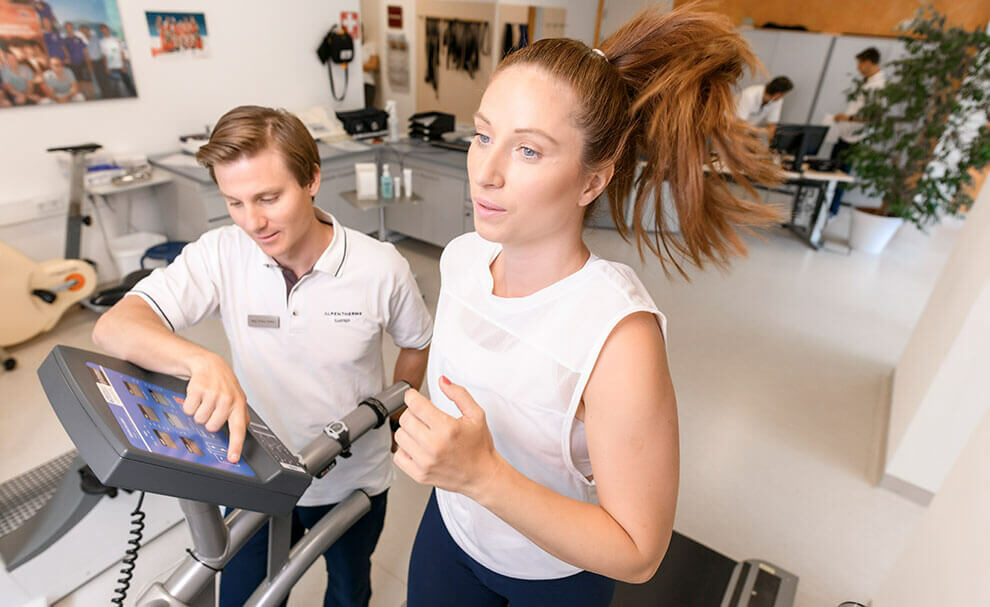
[
  {"x": 615, "y": 13},
  {"x": 945, "y": 561},
  {"x": 260, "y": 52},
  {"x": 580, "y": 25},
  {"x": 406, "y": 101},
  {"x": 940, "y": 385}
]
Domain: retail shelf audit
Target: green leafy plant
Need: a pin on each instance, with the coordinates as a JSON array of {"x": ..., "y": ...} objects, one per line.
[{"x": 925, "y": 130}]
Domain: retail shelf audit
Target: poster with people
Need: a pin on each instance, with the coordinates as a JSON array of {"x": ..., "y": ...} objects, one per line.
[
  {"x": 62, "y": 51},
  {"x": 177, "y": 34}
]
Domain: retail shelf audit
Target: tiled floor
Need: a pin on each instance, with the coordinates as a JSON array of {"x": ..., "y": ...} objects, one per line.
[{"x": 781, "y": 367}]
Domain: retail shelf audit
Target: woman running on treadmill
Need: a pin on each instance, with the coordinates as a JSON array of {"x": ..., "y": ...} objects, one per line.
[{"x": 551, "y": 438}]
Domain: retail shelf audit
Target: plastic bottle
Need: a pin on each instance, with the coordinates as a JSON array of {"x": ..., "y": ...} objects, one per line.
[
  {"x": 386, "y": 187},
  {"x": 407, "y": 177},
  {"x": 393, "y": 120}
]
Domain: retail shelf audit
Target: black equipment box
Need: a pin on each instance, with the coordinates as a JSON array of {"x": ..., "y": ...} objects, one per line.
[
  {"x": 430, "y": 126},
  {"x": 369, "y": 122}
]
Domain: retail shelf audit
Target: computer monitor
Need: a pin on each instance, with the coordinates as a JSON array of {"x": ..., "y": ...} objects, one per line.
[
  {"x": 798, "y": 141},
  {"x": 814, "y": 136}
]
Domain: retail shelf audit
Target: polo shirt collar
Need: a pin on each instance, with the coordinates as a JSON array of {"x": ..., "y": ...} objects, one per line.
[{"x": 332, "y": 260}]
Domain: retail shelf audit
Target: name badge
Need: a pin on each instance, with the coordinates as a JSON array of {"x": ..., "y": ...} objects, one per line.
[{"x": 263, "y": 322}]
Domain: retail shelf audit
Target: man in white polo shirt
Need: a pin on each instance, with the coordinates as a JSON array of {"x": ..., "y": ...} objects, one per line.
[
  {"x": 304, "y": 301},
  {"x": 762, "y": 103}
]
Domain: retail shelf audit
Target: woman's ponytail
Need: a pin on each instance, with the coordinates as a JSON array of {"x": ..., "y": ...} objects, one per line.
[
  {"x": 660, "y": 90},
  {"x": 680, "y": 69}
]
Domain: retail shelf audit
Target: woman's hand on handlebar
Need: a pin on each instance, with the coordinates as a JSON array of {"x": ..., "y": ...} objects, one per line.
[
  {"x": 456, "y": 454},
  {"x": 214, "y": 396}
]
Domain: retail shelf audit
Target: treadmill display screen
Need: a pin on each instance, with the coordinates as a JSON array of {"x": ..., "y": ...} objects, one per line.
[{"x": 152, "y": 419}]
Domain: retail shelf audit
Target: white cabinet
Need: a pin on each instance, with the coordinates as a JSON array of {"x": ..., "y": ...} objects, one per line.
[{"x": 439, "y": 217}]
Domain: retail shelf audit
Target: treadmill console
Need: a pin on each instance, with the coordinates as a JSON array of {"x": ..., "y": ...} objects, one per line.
[{"x": 128, "y": 425}]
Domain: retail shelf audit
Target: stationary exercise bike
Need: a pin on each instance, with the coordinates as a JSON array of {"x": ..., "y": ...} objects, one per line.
[{"x": 35, "y": 295}]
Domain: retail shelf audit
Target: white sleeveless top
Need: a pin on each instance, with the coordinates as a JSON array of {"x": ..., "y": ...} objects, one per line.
[{"x": 526, "y": 362}]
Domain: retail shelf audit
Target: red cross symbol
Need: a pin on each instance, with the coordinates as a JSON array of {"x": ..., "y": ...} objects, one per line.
[{"x": 349, "y": 21}]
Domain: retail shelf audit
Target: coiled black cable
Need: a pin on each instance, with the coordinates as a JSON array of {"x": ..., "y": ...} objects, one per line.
[{"x": 131, "y": 554}]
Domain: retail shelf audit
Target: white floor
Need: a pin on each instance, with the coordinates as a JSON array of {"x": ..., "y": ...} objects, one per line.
[{"x": 781, "y": 367}]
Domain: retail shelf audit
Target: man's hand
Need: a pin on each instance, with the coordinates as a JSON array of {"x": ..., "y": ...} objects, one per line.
[{"x": 214, "y": 396}]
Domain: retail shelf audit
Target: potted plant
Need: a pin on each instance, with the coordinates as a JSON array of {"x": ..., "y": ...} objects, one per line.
[{"x": 925, "y": 130}]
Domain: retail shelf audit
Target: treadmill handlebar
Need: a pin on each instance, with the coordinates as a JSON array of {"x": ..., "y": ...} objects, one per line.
[{"x": 320, "y": 455}]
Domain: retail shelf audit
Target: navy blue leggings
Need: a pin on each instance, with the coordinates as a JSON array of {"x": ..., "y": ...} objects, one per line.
[
  {"x": 348, "y": 560},
  {"x": 442, "y": 574}
]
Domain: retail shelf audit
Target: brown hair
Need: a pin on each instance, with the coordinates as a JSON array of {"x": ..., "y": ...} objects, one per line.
[
  {"x": 246, "y": 130},
  {"x": 663, "y": 91}
]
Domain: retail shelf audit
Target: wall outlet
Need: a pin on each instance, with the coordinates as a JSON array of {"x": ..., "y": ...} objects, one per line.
[
  {"x": 20, "y": 211},
  {"x": 51, "y": 206}
]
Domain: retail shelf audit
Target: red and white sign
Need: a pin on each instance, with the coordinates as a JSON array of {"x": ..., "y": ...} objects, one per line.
[
  {"x": 395, "y": 17},
  {"x": 349, "y": 21}
]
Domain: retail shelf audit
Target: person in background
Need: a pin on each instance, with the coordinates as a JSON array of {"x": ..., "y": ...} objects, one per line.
[
  {"x": 44, "y": 11},
  {"x": 115, "y": 60},
  {"x": 763, "y": 103},
  {"x": 4, "y": 99},
  {"x": 95, "y": 58},
  {"x": 36, "y": 57},
  {"x": 54, "y": 44},
  {"x": 370, "y": 68},
  {"x": 20, "y": 82},
  {"x": 59, "y": 84},
  {"x": 848, "y": 123},
  {"x": 79, "y": 64}
]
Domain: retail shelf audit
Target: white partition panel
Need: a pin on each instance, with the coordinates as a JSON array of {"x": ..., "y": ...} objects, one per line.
[{"x": 801, "y": 56}]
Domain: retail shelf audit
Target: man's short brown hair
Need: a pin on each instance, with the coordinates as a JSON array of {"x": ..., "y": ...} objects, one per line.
[{"x": 247, "y": 130}]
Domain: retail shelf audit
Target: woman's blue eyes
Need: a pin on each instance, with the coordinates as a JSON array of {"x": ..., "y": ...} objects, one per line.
[{"x": 527, "y": 152}]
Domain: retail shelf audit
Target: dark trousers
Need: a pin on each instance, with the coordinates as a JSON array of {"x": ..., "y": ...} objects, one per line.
[
  {"x": 348, "y": 560},
  {"x": 122, "y": 81},
  {"x": 838, "y": 154},
  {"x": 107, "y": 90},
  {"x": 442, "y": 575},
  {"x": 369, "y": 94}
]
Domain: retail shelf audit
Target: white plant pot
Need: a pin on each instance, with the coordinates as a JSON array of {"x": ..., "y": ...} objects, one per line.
[{"x": 871, "y": 233}]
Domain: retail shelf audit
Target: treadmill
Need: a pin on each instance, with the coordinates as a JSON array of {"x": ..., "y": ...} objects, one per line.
[
  {"x": 694, "y": 575},
  {"x": 129, "y": 427}
]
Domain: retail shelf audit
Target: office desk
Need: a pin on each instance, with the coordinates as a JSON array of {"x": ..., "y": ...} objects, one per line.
[
  {"x": 815, "y": 190},
  {"x": 809, "y": 213}
]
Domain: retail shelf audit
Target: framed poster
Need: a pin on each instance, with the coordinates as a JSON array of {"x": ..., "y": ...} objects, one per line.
[
  {"x": 177, "y": 34},
  {"x": 62, "y": 51}
]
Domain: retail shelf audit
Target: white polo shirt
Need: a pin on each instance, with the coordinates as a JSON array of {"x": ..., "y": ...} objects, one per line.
[
  {"x": 849, "y": 130},
  {"x": 750, "y": 106},
  {"x": 310, "y": 356}
]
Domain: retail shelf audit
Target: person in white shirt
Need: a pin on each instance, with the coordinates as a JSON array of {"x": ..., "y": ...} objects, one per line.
[
  {"x": 849, "y": 123},
  {"x": 550, "y": 434},
  {"x": 370, "y": 69},
  {"x": 115, "y": 62},
  {"x": 762, "y": 103},
  {"x": 304, "y": 303}
]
